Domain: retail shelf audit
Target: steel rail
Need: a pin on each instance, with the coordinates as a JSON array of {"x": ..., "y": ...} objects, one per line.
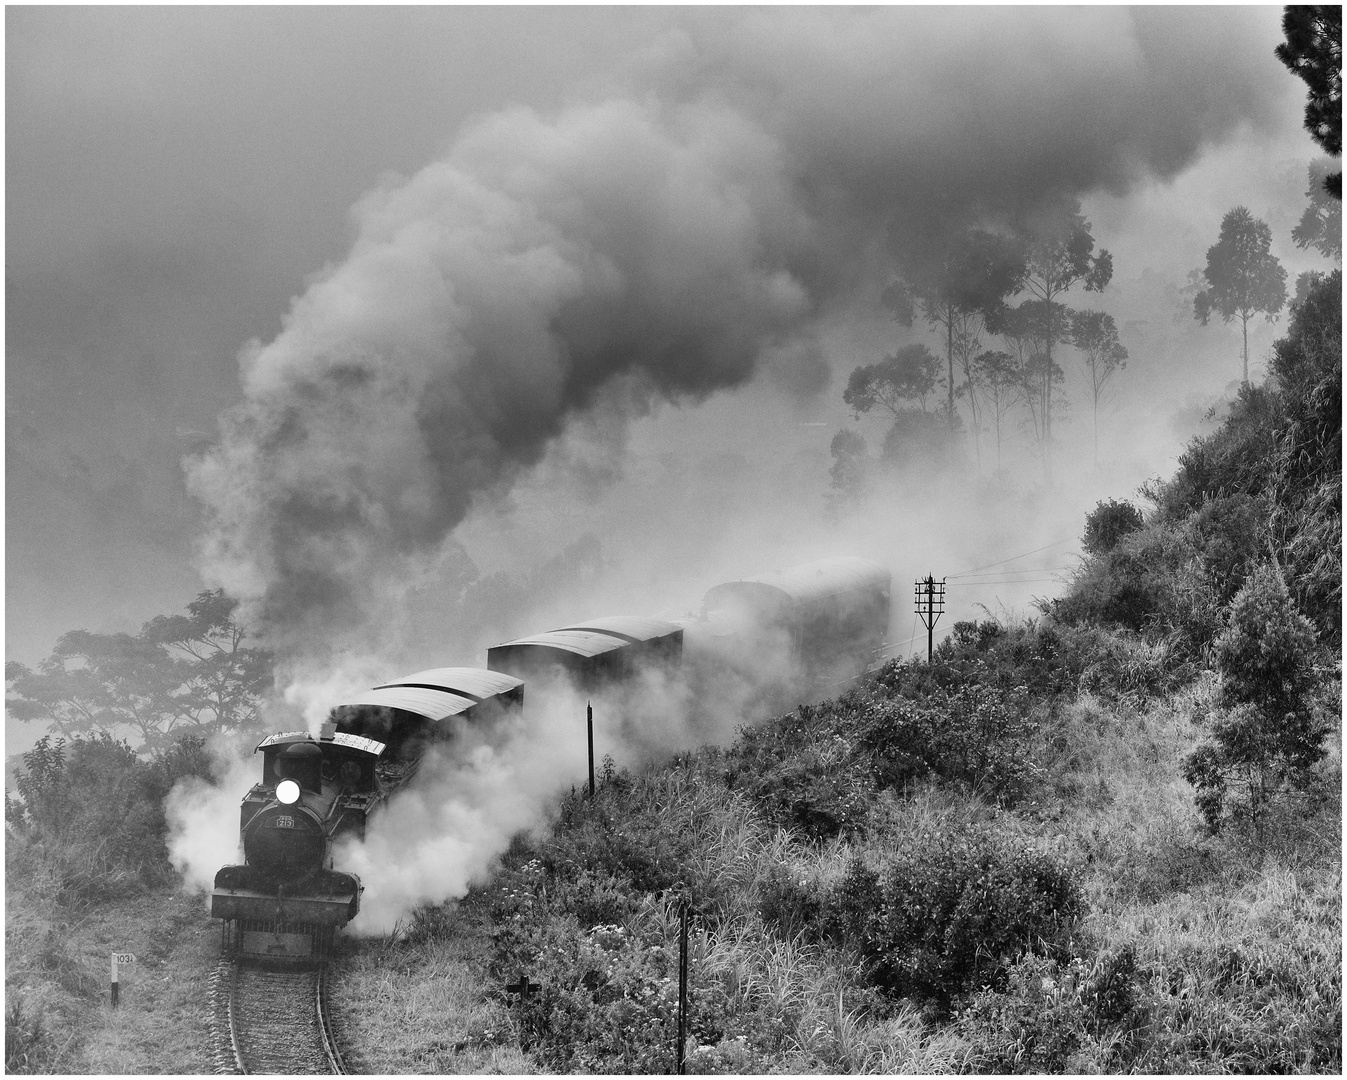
[{"x": 269, "y": 1029}]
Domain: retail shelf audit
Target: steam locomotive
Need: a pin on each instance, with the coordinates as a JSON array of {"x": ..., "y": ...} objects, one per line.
[{"x": 824, "y": 622}]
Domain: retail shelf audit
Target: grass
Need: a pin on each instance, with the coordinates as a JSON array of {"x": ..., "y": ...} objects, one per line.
[
  {"x": 419, "y": 1002},
  {"x": 57, "y": 982},
  {"x": 1196, "y": 953}
]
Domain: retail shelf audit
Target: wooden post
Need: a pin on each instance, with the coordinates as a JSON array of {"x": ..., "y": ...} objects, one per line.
[
  {"x": 589, "y": 723},
  {"x": 682, "y": 983},
  {"x": 930, "y": 600}
]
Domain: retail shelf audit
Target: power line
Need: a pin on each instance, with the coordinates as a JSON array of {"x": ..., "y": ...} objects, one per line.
[
  {"x": 1018, "y": 581},
  {"x": 1027, "y": 570},
  {"x": 1013, "y": 558}
]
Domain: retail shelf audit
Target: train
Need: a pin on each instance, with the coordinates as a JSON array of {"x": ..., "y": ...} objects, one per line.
[{"x": 789, "y": 635}]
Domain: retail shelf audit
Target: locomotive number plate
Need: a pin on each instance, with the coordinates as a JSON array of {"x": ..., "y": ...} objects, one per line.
[{"x": 285, "y": 822}]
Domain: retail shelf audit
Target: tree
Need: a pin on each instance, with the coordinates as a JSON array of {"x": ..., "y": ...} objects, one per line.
[
  {"x": 996, "y": 373},
  {"x": 1313, "y": 51},
  {"x": 1243, "y": 277},
  {"x": 973, "y": 274},
  {"x": 1059, "y": 247},
  {"x": 224, "y": 680},
  {"x": 179, "y": 673},
  {"x": 908, "y": 375},
  {"x": 1096, "y": 336},
  {"x": 1031, "y": 329},
  {"x": 1320, "y": 225},
  {"x": 848, "y": 470},
  {"x": 1268, "y": 735}
]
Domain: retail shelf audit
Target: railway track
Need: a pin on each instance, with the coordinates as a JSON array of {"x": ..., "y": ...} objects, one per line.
[{"x": 273, "y": 1020}]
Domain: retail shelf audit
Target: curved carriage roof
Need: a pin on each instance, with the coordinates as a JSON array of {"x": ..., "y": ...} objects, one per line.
[
  {"x": 596, "y": 636},
  {"x": 440, "y": 692},
  {"x": 816, "y": 580}
]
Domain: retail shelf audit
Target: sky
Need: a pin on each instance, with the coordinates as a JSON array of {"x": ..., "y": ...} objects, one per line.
[{"x": 345, "y": 309}]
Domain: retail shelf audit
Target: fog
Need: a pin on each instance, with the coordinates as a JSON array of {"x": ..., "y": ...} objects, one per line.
[
  {"x": 456, "y": 325},
  {"x": 705, "y": 229}
]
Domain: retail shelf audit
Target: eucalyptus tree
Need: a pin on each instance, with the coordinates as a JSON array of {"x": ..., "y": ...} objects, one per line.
[
  {"x": 909, "y": 374},
  {"x": 970, "y": 274},
  {"x": 1030, "y": 330},
  {"x": 1243, "y": 277},
  {"x": 997, "y": 374},
  {"x": 1095, "y": 334},
  {"x": 1059, "y": 255}
]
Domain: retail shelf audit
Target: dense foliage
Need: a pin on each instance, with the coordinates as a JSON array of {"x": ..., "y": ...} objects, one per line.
[
  {"x": 89, "y": 821},
  {"x": 1269, "y": 735},
  {"x": 992, "y": 862},
  {"x": 1269, "y": 476}
]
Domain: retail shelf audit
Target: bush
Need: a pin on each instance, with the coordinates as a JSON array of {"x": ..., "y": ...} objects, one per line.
[
  {"x": 1108, "y": 523},
  {"x": 1055, "y": 1017},
  {"x": 802, "y": 770},
  {"x": 975, "y": 734},
  {"x": 1121, "y": 666},
  {"x": 92, "y": 813},
  {"x": 1153, "y": 582},
  {"x": 1307, "y": 516},
  {"x": 949, "y": 911},
  {"x": 1031, "y": 658},
  {"x": 1231, "y": 532},
  {"x": 1235, "y": 459},
  {"x": 1268, "y": 736}
]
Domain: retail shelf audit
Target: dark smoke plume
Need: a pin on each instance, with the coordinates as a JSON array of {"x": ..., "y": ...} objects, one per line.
[{"x": 660, "y": 244}]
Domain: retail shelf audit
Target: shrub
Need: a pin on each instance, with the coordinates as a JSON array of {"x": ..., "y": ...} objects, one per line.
[
  {"x": 1108, "y": 523},
  {"x": 1268, "y": 735},
  {"x": 950, "y": 910},
  {"x": 1154, "y": 582},
  {"x": 1307, "y": 478},
  {"x": 1055, "y": 1017},
  {"x": 1231, "y": 532},
  {"x": 92, "y": 813},
  {"x": 1234, "y": 459},
  {"x": 975, "y": 734},
  {"x": 802, "y": 771},
  {"x": 1122, "y": 665},
  {"x": 789, "y": 903}
]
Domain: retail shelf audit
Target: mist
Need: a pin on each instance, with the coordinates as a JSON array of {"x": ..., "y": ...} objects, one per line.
[
  {"x": 582, "y": 359},
  {"x": 713, "y": 222}
]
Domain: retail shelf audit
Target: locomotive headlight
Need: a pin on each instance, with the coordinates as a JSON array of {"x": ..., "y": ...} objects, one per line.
[{"x": 287, "y": 791}]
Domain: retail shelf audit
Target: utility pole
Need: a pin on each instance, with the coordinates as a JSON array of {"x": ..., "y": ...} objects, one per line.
[
  {"x": 589, "y": 727},
  {"x": 680, "y": 1061},
  {"x": 930, "y": 599}
]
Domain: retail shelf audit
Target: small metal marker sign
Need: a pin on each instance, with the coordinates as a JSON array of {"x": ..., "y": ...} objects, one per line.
[
  {"x": 119, "y": 958},
  {"x": 523, "y": 988}
]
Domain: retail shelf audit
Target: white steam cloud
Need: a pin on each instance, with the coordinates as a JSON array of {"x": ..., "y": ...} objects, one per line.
[
  {"x": 662, "y": 241},
  {"x": 203, "y": 817},
  {"x": 745, "y": 184}
]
